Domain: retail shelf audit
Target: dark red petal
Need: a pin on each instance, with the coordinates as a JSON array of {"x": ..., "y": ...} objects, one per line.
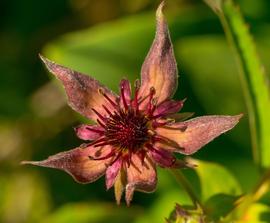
[
  {"x": 141, "y": 176},
  {"x": 179, "y": 117},
  {"x": 191, "y": 135},
  {"x": 77, "y": 163},
  {"x": 112, "y": 172},
  {"x": 162, "y": 157},
  {"x": 168, "y": 107},
  {"x": 159, "y": 69},
  {"x": 83, "y": 92},
  {"x": 89, "y": 132}
]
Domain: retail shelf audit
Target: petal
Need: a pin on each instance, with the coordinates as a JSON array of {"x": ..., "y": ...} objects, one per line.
[
  {"x": 168, "y": 107},
  {"x": 77, "y": 163},
  {"x": 83, "y": 92},
  {"x": 141, "y": 176},
  {"x": 189, "y": 136},
  {"x": 181, "y": 116},
  {"x": 112, "y": 172},
  {"x": 89, "y": 132},
  {"x": 162, "y": 157},
  {"x": 119, "y": 185},
  {"x": 159, "y": 69}
]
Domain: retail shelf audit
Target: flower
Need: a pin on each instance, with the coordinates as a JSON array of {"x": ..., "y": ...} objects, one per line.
[{"x": 132, "y": 134}]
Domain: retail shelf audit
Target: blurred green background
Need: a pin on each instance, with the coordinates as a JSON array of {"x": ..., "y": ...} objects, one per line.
[{"x": 109, "y": 39}]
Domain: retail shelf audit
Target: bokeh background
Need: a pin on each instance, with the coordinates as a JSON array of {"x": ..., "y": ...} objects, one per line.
[{"x": 109, "y": 39}]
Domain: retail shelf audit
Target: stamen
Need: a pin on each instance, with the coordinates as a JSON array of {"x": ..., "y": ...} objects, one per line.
[
  {"x": 166, "y": 141},
  {"x": 129, "y": 157},
  {"x": 107, "y": 110},
  {"x": 106, "y": 142},
  {"x": 137, "y": 86},
  {"x": 151, "y": 148},
  {"x": 99, "y": 115},
  {"x": 117, "y": 157},
  {"x": 156, "y": 124},
  {"x": 108, "y": 98},
  {"x": 103, "y": 139},
  {"x": 101, "y": 124},
  {"x": 151, "y": 95},
  {"x": 142, "y": 155},
  {"x": 95, "y": 130},
  {"x": 154, "y": 106},
  {"x": 123, "y": 97},
  {"x": 111, "y": 154},
  {"x": 166, "y": 156}
]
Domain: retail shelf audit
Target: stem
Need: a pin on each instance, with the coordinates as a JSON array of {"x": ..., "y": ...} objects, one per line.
[
  {"x": 182, "y": 180},
  {"x": 257, "y": 193},
  {"x": 252, "y": 118},
  {"x": 262, "y": 187}
]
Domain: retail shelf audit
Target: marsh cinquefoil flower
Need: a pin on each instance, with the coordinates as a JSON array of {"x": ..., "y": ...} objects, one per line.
[{"x": 135, "y": 133}]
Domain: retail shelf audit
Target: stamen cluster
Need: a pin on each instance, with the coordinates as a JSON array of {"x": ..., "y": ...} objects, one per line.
[{"x": 128, "y": 128}]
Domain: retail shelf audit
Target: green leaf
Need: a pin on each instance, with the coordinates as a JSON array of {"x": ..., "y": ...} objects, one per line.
[
  {"x": 113, "y": 50},
  {"x": 20, "y": 195},
  {"x": 215, "y": 179},
  {"x": 254, "y": 80},
  {"x": 220, "y": 205},
  {"x": 163, "y": 206},
  {"x": 257, "y": 213},
  {"x": 92, "y": 212},
  {"x": 214, "y": 73},
  {"x": 107, "y": 52},
  {"x": 185, "y": 214}
]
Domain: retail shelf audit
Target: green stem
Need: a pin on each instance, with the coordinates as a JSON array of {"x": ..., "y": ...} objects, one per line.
[
  {"x": 233, "y": 42},
  {"x": 182, "y": 180},
  {"x": 257, "y": 193},
  {"x": 262, "y": 187}
]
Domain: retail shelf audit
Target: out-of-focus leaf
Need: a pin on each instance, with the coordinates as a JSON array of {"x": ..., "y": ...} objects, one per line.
[
  {"x": 107, "y": 52},
  {"x": 254, "y": 80},
  {"x": 257, "y": 213},
  {"x": 23, "y": 198},
  {"x": 186, "y": 214},
  {"x": 213, "y": 79},
  {"x": 219, "y": 205},
  {"x": 163, "y": 206},
  {"x": 116, "y": 49},
  {"x": 215, "y": 179},
  {"x": 93, "y": 213}
]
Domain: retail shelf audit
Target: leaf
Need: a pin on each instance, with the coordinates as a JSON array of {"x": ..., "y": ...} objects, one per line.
[
  {"x": 210, "y": 83},
  {"x": 220, "y": 205},
  {"x": 257, "y": 213},
  {"x": 20, "y": 195},
  {"x": 215, "y": 179},
  {"x": 163, "y": 206},
  {"x": 112, "y": 50},
  {"x": 107, "y": 52},
  {"x": 92, "y": 212},
  {"x": 255, "y": 83}
]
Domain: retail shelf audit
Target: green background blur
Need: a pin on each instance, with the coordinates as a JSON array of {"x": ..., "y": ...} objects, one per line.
[{"x": 109, "y": 39}]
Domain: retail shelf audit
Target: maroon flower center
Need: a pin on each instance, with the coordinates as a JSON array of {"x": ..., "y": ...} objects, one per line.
[{"x": 127, "y": 129}]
